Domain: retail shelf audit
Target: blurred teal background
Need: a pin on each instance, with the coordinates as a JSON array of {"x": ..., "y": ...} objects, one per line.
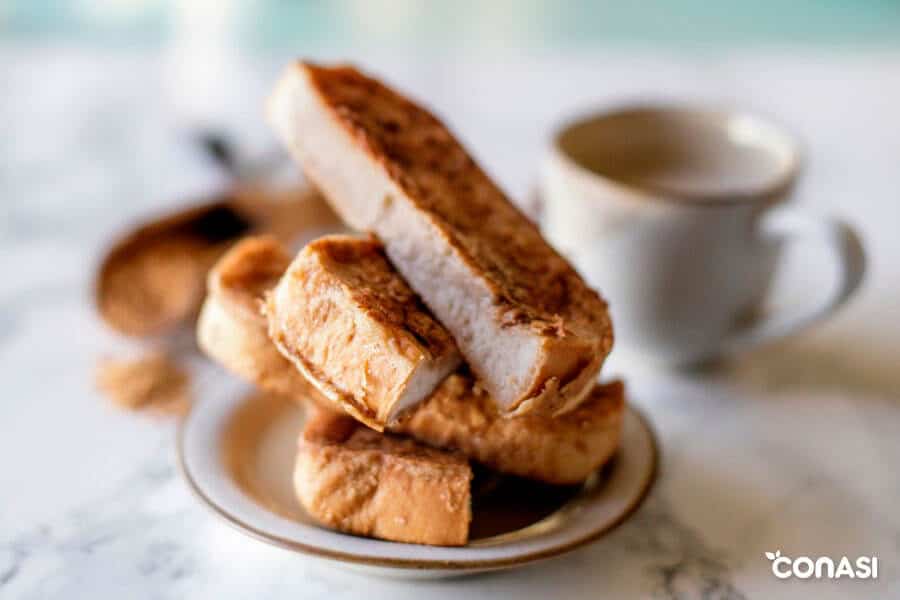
[{"x": 282, "y": 25}]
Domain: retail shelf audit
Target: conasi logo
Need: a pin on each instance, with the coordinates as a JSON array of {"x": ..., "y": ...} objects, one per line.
[{"x": 823, "y": 567}]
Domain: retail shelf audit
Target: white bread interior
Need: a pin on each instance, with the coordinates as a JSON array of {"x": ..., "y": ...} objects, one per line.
[{"x": 532, "y": 331}]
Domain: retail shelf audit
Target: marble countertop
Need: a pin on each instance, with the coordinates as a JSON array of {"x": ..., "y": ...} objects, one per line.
[{"x": 793, "y": 448}]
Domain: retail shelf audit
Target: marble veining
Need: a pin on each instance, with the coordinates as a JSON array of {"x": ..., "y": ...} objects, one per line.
[{"x": 792, "y": 448}]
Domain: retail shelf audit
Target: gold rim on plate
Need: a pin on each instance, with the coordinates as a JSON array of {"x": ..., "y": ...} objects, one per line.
[{"x": 421, "y": 564}]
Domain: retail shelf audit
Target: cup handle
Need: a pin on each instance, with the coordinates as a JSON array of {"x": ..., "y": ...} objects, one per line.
[{"x": 792, "y": 225}]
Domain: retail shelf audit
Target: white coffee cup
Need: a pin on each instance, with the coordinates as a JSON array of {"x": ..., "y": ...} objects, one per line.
[{"x": 678, "y": 217}]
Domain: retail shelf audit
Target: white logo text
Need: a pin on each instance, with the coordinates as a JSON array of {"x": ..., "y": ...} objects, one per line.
[{"x": 823, "y": 567}]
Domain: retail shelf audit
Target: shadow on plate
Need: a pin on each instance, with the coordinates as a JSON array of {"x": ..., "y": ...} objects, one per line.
[{"x": 259, "y": 451}]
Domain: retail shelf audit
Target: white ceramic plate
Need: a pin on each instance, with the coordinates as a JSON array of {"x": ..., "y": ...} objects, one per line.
[{"x": 237, "y": 452}]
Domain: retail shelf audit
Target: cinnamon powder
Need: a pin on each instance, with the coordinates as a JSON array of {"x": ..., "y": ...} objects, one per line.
[{"x": 153, "y": 383}]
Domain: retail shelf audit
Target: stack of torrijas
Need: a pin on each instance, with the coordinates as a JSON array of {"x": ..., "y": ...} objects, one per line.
[{"x": 450, "y": 331}]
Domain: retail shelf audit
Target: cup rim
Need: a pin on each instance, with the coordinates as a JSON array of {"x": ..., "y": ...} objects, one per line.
[{"x": 773, "y": 190}]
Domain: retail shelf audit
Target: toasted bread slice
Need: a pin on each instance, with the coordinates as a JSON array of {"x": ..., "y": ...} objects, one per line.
[
  {"x": 560, "y": 450},
  {"x": 357, "y": 480},
  {"x": 352, "y": 326},
  {"x": 530, "y": 328},
  {"x": 231, "y": 328},
  {"x": 458, "y": 415}
]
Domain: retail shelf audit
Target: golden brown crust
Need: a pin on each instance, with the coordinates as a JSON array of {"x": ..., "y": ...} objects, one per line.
[
  {"x": 352, "y": 326},
  {"x": 530, "y": 286},
  {"x": 564, "y": 449},
  {"x": 560, "y": 450},
  {"x": 354, "y": 479},
  {"x": 377, "y": 289},
  {"x": 244, "y": 274},
  {"x": 231, "y": 329},
  {"x": 533, "y": 285}
]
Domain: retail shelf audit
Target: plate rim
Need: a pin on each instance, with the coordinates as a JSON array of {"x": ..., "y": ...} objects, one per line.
[{"x": 424, "y": 564}]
